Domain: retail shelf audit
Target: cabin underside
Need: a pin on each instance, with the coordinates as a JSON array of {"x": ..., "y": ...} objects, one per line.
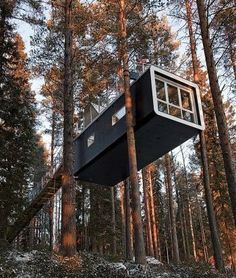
[{"x": 154, "y": 138}]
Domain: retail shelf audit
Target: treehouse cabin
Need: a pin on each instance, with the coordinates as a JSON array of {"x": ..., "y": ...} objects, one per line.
[{"x": 167, "y": 111}]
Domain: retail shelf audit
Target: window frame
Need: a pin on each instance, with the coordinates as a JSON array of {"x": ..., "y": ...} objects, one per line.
[{"x": 180, "y": 107}]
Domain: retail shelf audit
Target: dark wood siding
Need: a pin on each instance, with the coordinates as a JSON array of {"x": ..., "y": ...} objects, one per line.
[
  {"x": 105, "y": 134},
  {"x": 106, "y": 160}
]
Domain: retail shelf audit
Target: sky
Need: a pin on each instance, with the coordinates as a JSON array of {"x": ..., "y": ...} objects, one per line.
[{"x": 26, "y": 31}]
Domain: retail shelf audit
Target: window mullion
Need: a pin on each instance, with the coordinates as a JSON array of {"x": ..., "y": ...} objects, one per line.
[
  {"x": 167, "y": 97},
  {"x": 193, "y": 108},
  {"x": 180, "y": 102}
]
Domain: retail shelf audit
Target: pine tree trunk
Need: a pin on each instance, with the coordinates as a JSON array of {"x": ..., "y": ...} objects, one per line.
[
  {"x": 113, "y": 217},
  {"x": 56, "y": 219},
  {"x": 128, "y": 222},
  {"x": 146, "y": 189},
  {"x": 192, "y": 229},
  {"x": 83, "y": 218},
  {"x": 171, "y": 210},
  {"x": 189, "y": 208},
  {"x": 68, "y": 188},
  {"x": 51, "y": 202},
  {"x": 229, "y": 162},
  {"x": 139, "y": 248},
  {"x": 206, "y": 179},
  {"x": 122, "y": 210},
  {"x": 186, "y": 229},
  {"x": 180, "y": 208},
  {"x": 167, "y": 252},
  {"x": 200, "y": 220},
  {"x": 210, "y": 209},
  {"x": 153, "y": 216}
]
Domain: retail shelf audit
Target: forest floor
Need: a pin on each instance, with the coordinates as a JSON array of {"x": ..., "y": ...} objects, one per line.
[{"x": 38, "y": 264}]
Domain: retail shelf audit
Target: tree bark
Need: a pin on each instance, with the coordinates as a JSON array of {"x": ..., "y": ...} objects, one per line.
[
  {"x": 203, "y": 235},
  {"x": 171, "y": 210},
  {"x": 153, "y": 216},
  {"x": 51, "y": 202},
  {"x": 83, "y": 218},
  {"x": 180, "y": 208},
  {"x": 189, "y": 207},
  {"x": 210, "y": 209},
  {"x": 123, "y": 222},
  {"x": 128, "y": 222},
  {"x": 226, "y": 148},
  {"x": 139, "y": 248},
  {"x": 150, "y": 248},
  {"x": 68, "y": 189},
  {"x": 113, "y": 213},
  {"x": 206, "y": 179}
]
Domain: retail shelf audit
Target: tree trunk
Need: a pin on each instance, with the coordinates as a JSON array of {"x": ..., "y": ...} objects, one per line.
[
  {"x": 226, "y": 148},
  {"x": 139, "y": 248},
  {"x": 153, "y": 216},
  {"x": 83, "y": 218},
  {"x": 68, "y": 189},
  {"x": 128, "y": 222},
  {"x": 180, "y": 208},
  {"x": 51, "y": 202},
  {"x": 200, "y": 220},
  {"x": 146, "y": 188},
  {"x": 171, "y": 210},
  {"x": 210, "y": 210},
  {"x": 113, "y": 213},
  {"x": 189, "y": 207},
  {"x": 122, "y": 210},
  {"x": 206, "y": 179}
]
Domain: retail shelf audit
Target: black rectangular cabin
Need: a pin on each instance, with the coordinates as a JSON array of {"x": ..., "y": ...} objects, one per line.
[{"x": 167, "y": 111}]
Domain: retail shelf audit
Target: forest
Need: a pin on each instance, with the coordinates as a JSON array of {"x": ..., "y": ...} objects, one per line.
[{"x": 63, "y": 65}]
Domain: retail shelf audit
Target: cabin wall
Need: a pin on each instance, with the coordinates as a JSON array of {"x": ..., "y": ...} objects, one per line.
[
  {"x": 143, "y": 101},
  {"x": 106, "y": 160},
  {"x": 105, "y": 135},
  {"x": 153, "y": 139}
]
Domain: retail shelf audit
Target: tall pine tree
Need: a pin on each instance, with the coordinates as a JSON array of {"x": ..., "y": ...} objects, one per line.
[{"x": 17, "y": 121}]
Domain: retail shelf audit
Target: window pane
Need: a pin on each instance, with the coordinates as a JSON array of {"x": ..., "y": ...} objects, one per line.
[
  {"x": 162, "y": 107},
  {"x": 186, "y": 100},
  {"x": 160, "y": 88},
  {"x": 187, "y": 116},
  {"x": 118, "y": 115},
  {"x": 90, "y": 140},
  {"x": 173, "y": 95},
  {"x": 174, "y": 111}
]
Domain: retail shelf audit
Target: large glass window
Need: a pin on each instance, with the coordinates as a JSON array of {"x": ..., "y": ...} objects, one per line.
[{"x": 175, "y": 100}]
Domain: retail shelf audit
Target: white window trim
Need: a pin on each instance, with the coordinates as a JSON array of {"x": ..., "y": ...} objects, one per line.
[
  {"x": 180, "y": 106},
  {"x": 154, "y": 74}
]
